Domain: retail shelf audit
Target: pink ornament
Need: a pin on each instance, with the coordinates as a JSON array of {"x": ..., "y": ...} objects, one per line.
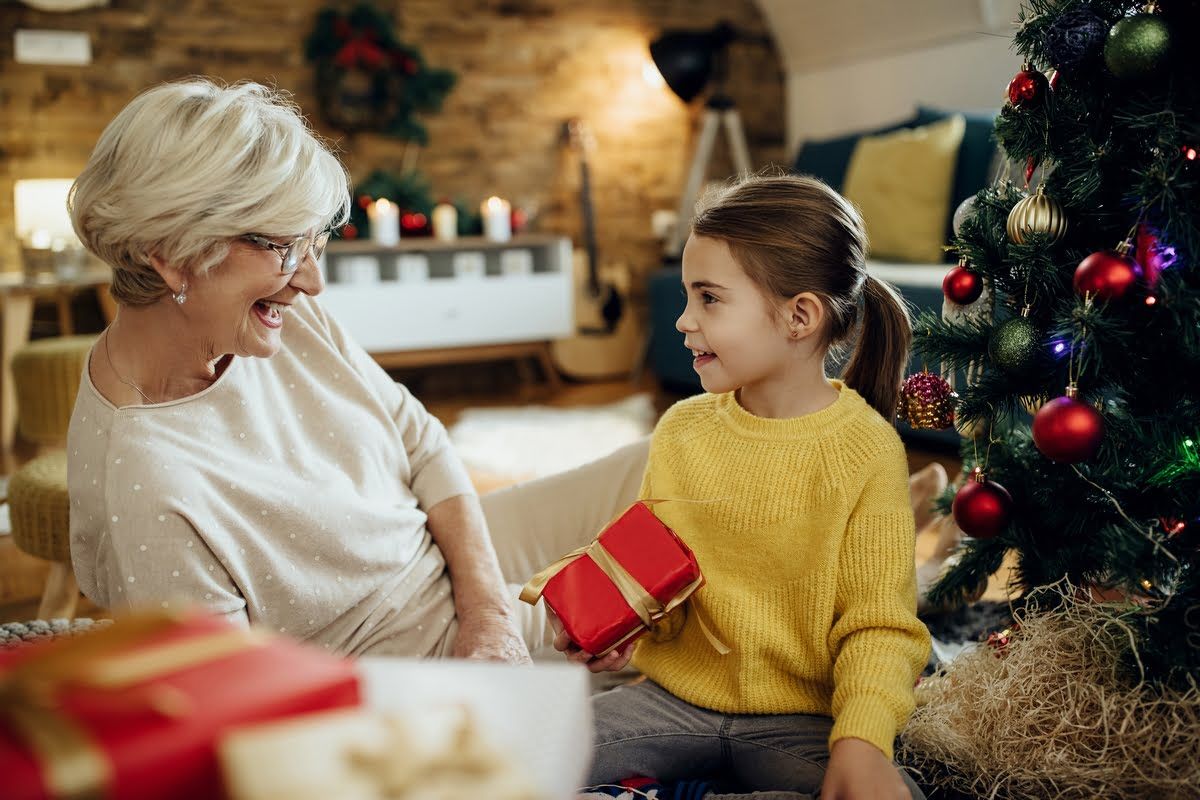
[{"x": 927, "y": 402}]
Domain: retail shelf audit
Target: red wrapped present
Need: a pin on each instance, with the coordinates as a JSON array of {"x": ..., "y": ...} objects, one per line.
[
  {"x": 133, "y": 712},
  {"x": 626, "y": 582}
]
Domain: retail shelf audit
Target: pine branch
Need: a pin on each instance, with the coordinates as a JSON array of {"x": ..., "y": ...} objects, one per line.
[
  {"x": 952, "y": 344},
  {"x": 978, "y": 560}
]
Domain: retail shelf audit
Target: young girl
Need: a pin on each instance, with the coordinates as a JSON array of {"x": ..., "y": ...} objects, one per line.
[{"x": 806, "y": 540}]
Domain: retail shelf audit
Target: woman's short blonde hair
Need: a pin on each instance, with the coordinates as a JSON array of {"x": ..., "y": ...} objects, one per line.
[{"x": 190, "y": 165}]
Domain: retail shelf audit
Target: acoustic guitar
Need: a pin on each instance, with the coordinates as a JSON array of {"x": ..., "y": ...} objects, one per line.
[{"x": 608, "y": 337}]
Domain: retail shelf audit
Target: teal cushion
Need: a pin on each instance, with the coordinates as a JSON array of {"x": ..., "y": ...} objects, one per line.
[
  {"x": 975, "y": 156},
  {"x": 827, "y": 159}
]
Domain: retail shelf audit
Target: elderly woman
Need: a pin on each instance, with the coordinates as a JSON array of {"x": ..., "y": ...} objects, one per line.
[{"x": 232, "y": 448}]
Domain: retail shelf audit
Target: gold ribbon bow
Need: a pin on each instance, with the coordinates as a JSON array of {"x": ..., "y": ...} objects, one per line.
[
  {"x": 403, "y": 765},
  {"x": 74, "y": 766},
  {"x": 647, "y": 607}
]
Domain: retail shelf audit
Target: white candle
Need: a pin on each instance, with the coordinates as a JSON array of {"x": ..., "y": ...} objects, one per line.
[
  {"x": 385, "y": 222},
  {"x": 497, "y": 219},
  {"x": 445, "y": 222}
]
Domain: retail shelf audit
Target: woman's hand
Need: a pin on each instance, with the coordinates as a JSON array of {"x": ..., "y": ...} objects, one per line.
[
  {"x": 490, "y": 636},
  {"x": 859, "y": 771},
  {"x": 617, "y": 658}
]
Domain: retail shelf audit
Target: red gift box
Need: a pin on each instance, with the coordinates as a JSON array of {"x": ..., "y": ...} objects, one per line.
[
  {"x": 134, "y": 711},
  {"x": 615, "y": 589}
]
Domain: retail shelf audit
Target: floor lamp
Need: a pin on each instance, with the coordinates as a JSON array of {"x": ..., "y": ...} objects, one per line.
[{"x": 688, "y": 62}]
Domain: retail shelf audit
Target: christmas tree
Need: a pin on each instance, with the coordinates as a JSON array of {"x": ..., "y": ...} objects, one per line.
[{"x": 1071, "y": 329}]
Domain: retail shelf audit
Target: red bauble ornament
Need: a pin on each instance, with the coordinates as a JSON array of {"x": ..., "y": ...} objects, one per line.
[
  {"x": 1028, "y": 87},
  {"x": 1107, "y": 274},
  {"x": 364, "y": 201},
  {"x": 981, "y": 507},
  {"x": 1055, "y": 77},
  {"x": 961, "y": 285},
  {"x": 1066, "y": 430},
  {"x": 349, "y": 231}
]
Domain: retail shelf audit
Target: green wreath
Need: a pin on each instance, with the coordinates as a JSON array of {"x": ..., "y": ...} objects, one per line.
[
  {"x": 410, "y": 191},
  {"x": 367, "y": 79}
]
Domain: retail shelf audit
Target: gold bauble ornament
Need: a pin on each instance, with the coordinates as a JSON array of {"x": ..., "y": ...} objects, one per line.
[{"x": 1038, "y": 213}]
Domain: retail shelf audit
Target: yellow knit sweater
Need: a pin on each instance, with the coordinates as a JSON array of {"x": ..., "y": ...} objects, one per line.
[{"x": 808, "y": 559}]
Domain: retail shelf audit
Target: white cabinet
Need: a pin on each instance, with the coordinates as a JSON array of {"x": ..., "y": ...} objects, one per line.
[{"x": 389, "y": 306}]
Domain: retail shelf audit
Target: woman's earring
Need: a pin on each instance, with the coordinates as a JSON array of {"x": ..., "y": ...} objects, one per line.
[
  {"x": 795, "y": 333},
  {"x": 181, "y": 296}
]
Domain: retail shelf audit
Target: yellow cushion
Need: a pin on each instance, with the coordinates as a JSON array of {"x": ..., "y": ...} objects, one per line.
[{"x": 901, "y": 181}]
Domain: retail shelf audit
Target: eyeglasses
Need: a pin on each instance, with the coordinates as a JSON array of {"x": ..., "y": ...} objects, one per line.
[{"x": 292, "y": 254}]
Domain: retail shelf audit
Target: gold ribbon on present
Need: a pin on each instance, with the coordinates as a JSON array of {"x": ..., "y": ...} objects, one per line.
[
  {"x": 74, "y": 766},
  {"x": 647, "y": 607}
]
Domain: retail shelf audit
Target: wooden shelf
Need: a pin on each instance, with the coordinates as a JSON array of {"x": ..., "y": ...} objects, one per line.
[{"x": 450, "y": 317}]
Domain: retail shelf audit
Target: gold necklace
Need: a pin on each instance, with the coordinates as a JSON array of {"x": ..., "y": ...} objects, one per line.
[{"x": 130, "y": 384}]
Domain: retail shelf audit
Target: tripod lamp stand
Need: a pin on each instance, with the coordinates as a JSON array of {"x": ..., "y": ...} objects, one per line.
[{"x": 688, "y": 62}]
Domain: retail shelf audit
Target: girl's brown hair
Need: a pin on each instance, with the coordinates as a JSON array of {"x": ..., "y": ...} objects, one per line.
[{"x": 793, "y": 234}]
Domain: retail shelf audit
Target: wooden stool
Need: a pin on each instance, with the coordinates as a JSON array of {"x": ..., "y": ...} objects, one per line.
[{"x": 39, "y": 509}]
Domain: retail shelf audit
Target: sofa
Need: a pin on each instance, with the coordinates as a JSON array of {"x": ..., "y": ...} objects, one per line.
[{"x": 978, "y": 161}]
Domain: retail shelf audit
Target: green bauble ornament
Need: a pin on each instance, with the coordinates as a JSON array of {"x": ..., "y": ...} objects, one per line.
[
  {"x": 1014, "y": 344},
  {"x": 1137, "y": 46}
]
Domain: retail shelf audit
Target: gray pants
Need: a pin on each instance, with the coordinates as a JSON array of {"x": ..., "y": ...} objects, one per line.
[{"x": 645, "y": 730}]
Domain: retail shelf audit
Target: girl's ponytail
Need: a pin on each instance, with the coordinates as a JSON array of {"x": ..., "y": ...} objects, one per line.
[{"x": 876, "y": 369}]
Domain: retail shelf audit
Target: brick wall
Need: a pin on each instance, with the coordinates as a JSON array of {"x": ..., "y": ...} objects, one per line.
[{"x": 524, "y": 66}]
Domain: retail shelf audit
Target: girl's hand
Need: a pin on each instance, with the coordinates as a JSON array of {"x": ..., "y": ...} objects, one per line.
[
  {"x": 859, "y": 771},
  {"x": 617, "y": 658}
]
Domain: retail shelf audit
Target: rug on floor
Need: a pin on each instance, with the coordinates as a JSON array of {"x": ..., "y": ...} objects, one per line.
[{"x": 523, "y": 442}]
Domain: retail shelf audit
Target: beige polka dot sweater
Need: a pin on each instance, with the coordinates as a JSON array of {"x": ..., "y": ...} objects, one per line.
[
  {"x": 807, "y": 548},
  {"x": 291, "y": 493}
]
